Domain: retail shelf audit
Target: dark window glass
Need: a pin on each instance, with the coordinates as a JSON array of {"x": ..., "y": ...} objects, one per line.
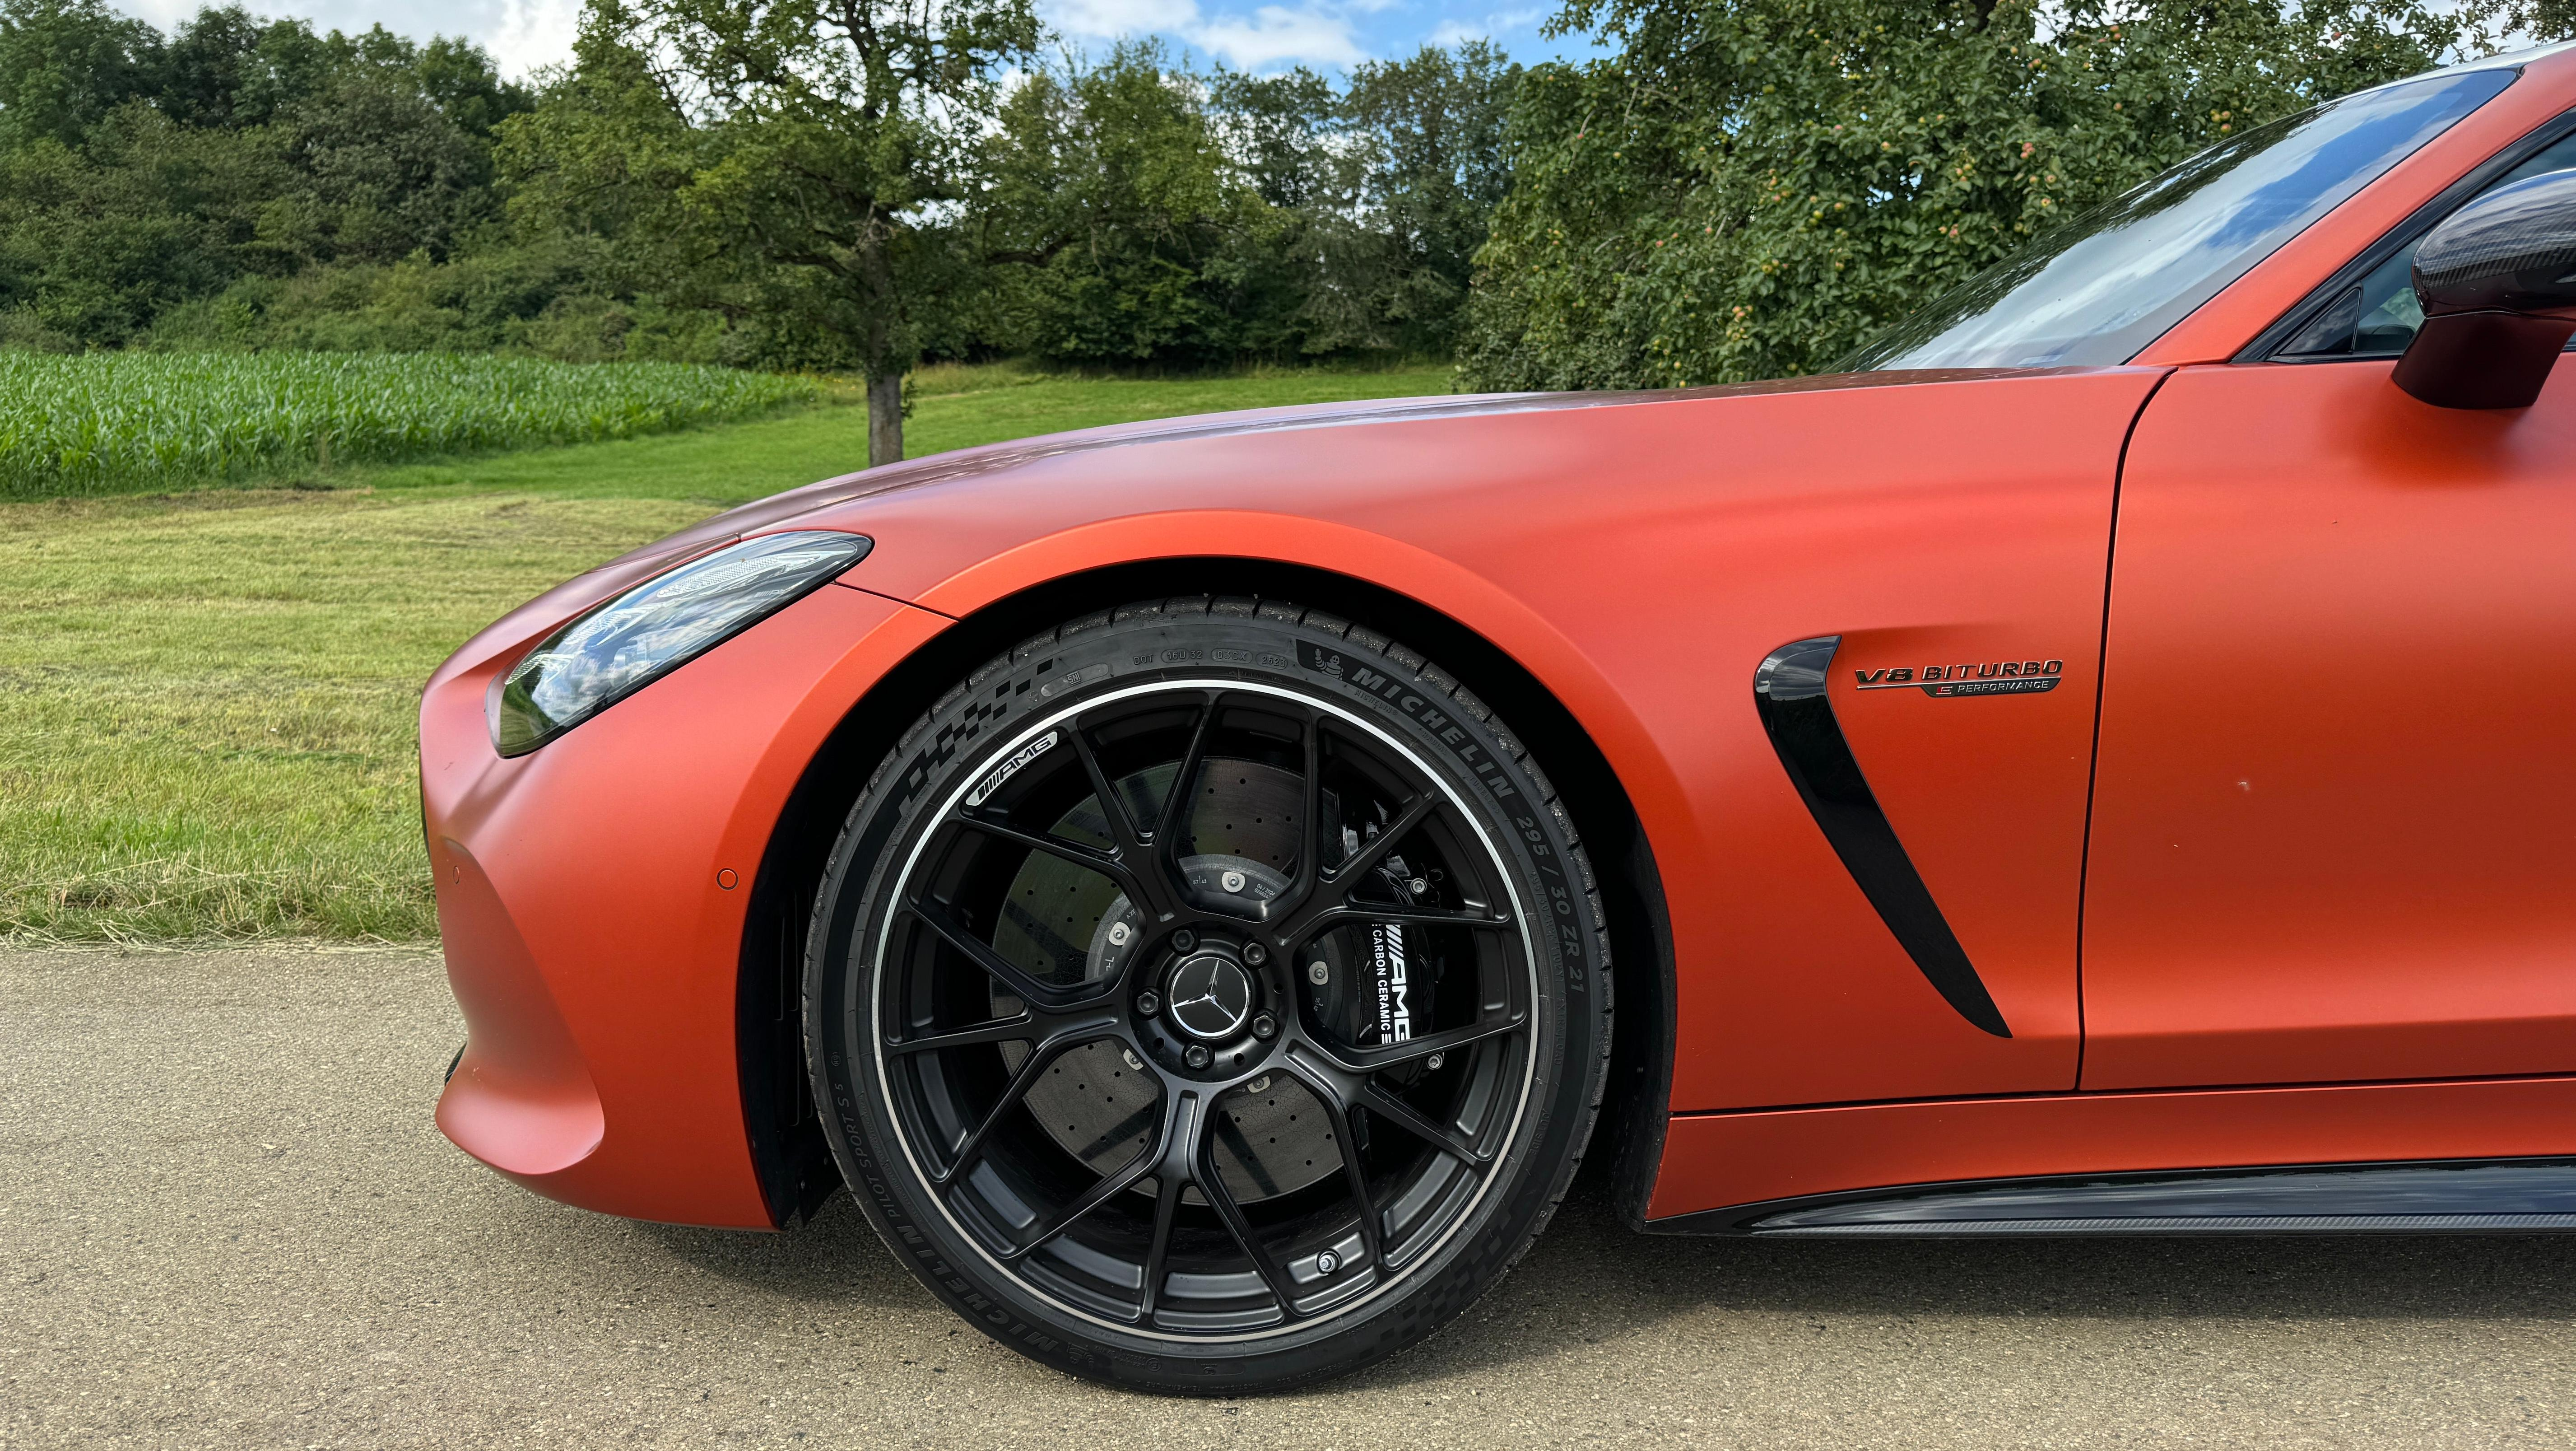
[
  {"x": 2106, "y": 284},
  {"x": 2377, "y": 316}
]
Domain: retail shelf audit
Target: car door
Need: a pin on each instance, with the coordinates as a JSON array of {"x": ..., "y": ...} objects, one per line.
[{"x": 2334, "y": 821}]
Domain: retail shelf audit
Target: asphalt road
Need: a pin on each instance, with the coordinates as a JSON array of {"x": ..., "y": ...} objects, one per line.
[{"x": 226, "y": 1220}]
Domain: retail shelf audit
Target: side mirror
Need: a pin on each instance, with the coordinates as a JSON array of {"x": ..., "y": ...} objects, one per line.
[{"x": 2497, "y": 280}]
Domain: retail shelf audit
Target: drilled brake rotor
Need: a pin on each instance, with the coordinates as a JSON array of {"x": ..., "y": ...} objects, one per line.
[{"x": 1097, "y": 1102}]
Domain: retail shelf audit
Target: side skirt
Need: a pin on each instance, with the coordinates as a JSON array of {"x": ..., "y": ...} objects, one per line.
[{"x": 2476, "y": 1196}]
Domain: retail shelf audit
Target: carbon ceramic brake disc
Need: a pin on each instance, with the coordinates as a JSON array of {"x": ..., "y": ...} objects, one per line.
[{"x": 1273, "y": 1137}]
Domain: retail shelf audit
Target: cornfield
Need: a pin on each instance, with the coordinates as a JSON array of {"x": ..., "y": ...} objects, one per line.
[{"x": 113, "y": 423}]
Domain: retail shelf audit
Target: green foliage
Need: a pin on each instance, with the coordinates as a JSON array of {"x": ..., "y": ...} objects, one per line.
[
  {"x": 64, "y": 64},
  {"x": 563, "y": 297},
  {"x": 138, "y": 174},
  {"x": 1141, "y": 240},
  {"x": 121, "y": 423},
  {"x": 1428, "y": 171},
  {"x": 1159, "y": 214},
  {"x": 785, "y": 161},
  {"x": 780, "y": 184},
  {"x": 1751, "y": 188},
  {"x": 2541, "y": 20}
]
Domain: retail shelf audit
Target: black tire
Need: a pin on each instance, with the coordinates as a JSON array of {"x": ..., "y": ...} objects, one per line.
[{"x": 1318, "y": 944}]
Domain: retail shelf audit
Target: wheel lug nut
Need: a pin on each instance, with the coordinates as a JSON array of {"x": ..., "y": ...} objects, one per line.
[
  {"x": 1255, "y": 953},
  {"x": 1184, "y": 940},
  {"x": 1148, "y": 1003},
  {"x": 1265, "y": 1027},
  {"x": 1318, "y": 974},
  {"x": 1327, "y": 1262},
  {"x": 1196, "y": 1056}
]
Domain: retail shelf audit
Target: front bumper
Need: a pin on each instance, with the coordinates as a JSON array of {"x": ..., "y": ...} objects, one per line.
[{"x": 592, "y": 898}]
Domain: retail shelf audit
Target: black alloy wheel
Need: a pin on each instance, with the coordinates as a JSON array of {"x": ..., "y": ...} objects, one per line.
[{"x": 1209, "y": 997}]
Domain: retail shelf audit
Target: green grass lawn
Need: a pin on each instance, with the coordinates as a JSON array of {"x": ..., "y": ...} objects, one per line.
[
  {"x": 206, "y": 699},
  {"x": 953, "y": 408}
]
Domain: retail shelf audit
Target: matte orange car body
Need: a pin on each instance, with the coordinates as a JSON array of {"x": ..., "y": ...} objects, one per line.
[
  {"x": 2332, "y": 833},
  {"x": 1638, "y": 555}
]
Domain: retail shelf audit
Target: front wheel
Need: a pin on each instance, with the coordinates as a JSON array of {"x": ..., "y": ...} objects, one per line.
[{"x": 1209, "y": 996}]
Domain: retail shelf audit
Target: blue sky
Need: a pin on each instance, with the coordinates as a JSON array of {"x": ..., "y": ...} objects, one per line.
[{"x": 1261, "y": 35}]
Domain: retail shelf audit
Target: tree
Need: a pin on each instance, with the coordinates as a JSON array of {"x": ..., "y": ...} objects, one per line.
[
  {"x": 2525, "y": 20},
  {"x": 139, "y": 176},
  {"x": 1121, "y": 225},
  {"x": 64, "y": 64},
  {"x": 1751, "y": 188},
  {"x": 1140, "y": 211},
  {"x": 1423, "y": 139},
  {"x": 797, "y": 160}
]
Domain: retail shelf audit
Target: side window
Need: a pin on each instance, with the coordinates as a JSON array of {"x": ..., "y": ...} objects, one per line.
[{"x": 2377, "y": 316}]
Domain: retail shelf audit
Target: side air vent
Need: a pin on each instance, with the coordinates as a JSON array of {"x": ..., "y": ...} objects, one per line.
[{"x": 1789, "y": 692}]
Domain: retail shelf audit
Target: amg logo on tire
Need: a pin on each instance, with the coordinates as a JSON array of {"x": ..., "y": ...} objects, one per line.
[{"x": 992, "y": 782}]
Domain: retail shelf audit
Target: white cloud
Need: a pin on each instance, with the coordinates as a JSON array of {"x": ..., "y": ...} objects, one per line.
[
  {"x": 1320, "y": 32},
  {"x": 1277, "y": 33},
  {"x": 1110, "y": 19},
  {"x": 1452, "y": 31},
  {"x": 534, "y": 33},
  {"x": 524, "y": 35},
  {"x": 521, "y": 34}
]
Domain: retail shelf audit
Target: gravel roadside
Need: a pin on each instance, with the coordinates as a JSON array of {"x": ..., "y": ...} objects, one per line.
[{"x": 226, "y": 1220}]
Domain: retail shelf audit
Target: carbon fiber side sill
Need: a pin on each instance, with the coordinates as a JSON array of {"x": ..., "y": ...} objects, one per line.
[
  {"x": 1789, "y": 692},
  {"x": 2455, "y": 1196},
  {"x": 2190, "y": 1224}
]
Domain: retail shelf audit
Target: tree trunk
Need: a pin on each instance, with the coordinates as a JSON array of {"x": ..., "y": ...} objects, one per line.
[{"x": 885, "y": 420}]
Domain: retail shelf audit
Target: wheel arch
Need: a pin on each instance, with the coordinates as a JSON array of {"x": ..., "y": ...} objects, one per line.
[{"x": 790, "y": 1157}]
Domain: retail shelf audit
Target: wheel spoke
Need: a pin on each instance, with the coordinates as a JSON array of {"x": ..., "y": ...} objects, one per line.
[
  {"x": 999, "y": 1030},
  {"x": 1324, "y": 898},
  {"x": 1345, "y": 1089},
  {"x": 1109, "y": 1187},
  {"x": 1046, "y": 841},
  {"x": 1383, "y": 1056},
  {"x": 1023, "y": 986},
  {"x": 1127, "y": 842},
  {"x": 1167, "y": 1207},
  {"x": 1310, "y": 836},
  {"x": 1374, "y": 850},
  {"x": 1221, "y": 1199},
  {"x": 1355, "y": 1180},
  {"x": 1171, "y": 821},
  {"x": 1413, "y": 1121},
  {"x": 1168, "y": 817},
  {"x": 1031, "y": 1069},
  {"x": 1350, "y": 913}
]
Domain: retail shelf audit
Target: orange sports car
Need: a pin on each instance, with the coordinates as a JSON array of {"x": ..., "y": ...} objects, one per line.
[{"x": 2100, "y": 765}]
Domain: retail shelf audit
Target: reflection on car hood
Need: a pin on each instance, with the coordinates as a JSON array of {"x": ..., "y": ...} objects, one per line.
[{"x": 998, "y": 457}]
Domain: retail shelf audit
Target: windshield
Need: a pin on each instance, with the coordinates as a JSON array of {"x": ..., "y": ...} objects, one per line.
[{"x": 2106, "y": 284}]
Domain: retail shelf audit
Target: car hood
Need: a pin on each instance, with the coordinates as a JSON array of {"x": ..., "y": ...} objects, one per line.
[{"x": 998, "y": 458}]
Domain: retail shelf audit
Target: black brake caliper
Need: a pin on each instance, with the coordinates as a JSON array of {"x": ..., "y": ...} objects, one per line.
[{"x": 1365, "y": 984}]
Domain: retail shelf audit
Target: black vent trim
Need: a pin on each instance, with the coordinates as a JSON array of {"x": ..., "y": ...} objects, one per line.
[{"x": 1789, "y": 692}]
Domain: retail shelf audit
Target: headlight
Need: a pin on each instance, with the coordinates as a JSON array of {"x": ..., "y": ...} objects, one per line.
[{"x": 622, "y": 646}]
